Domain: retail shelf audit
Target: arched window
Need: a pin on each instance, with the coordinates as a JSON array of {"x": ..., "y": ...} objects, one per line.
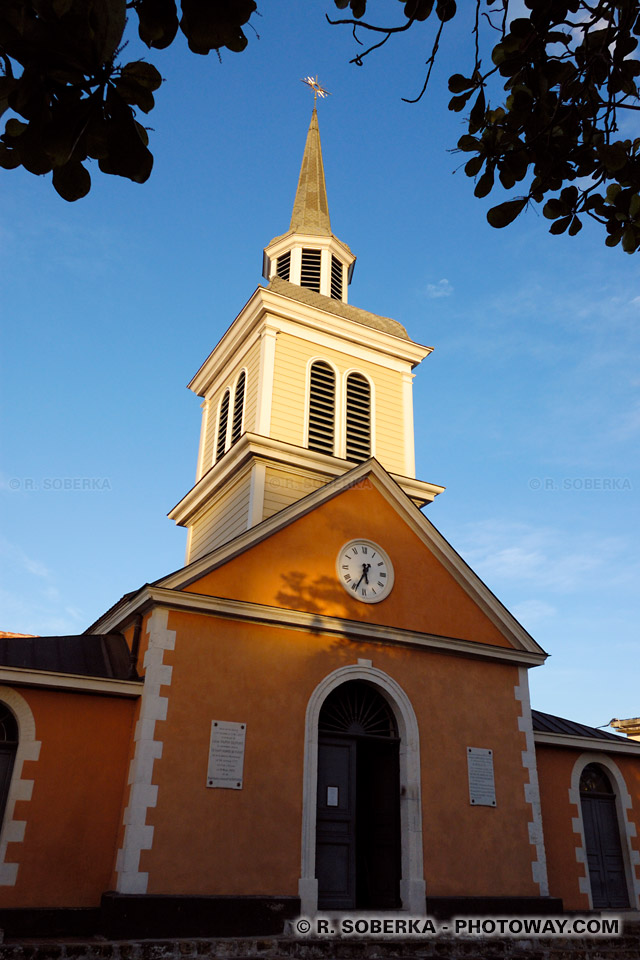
[
  {"x": 322, "y": 404},
  {"x": 358, "y": 417},
  {"x": 238, "y": 408},
  {"x": 223, "y": 420},
  {"x": 357, "y": 709},
  {"x": 602, "y": 839},
  {"x": 8, "y": 748}
]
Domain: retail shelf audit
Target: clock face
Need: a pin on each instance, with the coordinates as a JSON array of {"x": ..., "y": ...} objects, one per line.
[{"x": 365, "y": 571}]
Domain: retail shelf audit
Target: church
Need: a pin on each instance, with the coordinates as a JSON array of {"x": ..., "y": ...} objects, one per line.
[{"x": 325, "y": 709}]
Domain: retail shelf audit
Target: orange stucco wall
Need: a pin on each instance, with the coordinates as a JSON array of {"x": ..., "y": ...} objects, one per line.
[
  {"x": 295, "y": 569},
  {"x": 216, "y": 841},
  {"x": 555, "y": 767},
  {"x": 66, "y": 857}
]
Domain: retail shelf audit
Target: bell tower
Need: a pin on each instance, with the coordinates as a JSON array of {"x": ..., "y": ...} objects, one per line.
[{"x": 302, "y": 385}]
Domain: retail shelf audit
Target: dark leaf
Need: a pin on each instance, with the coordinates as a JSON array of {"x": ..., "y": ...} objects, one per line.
[
  {"x": 445, "y": 10},
  {"x": 158, "y": 22},
  {"x": 458, "y": 83},
  {"x": 554, "y": 208},
  {"x": 559, "y": 226},
  {"x": 473, "y": 166},
  {"x": 484, "y": 184},
  {"x": 72, "y": 181},
  {"x": 505, "y": 213}
]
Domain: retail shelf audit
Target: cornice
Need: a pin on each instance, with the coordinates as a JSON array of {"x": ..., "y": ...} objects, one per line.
[
  {"x": 586, "y": 743},
  {"x": 274, "y": 310},
  {"x": 74, "y": 683},
  {"x": 252, "y": 446},
  {"x": 312, "y": 623}
]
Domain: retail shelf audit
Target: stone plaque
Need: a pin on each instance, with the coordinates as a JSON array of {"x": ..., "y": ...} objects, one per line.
[
  {"x": 482, "y": 788},
  {"x": 226, "y": 754}
]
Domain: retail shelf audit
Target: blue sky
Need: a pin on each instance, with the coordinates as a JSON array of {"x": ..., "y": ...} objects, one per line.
[{"x": 528, "y": 410}]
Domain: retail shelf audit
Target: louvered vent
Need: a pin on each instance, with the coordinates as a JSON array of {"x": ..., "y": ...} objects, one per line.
[
  {"x": 238, "y": 409},
  {"x": 283, "y": 265},
  {"x": 322, "y": 402},
  {"x": 358, "y": 417},
  {"x": 310, "y": 270},
  {"x": 336, "y": 278},
  {"x": 222, "y": 425},
  {"x": 357, "y": 709}
]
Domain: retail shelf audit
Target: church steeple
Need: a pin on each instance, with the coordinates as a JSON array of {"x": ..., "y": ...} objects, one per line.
[
  {"x": 311, "y": 209},
  {"x": 302, "y": 386},
  {"x": 309, "y": 254}
]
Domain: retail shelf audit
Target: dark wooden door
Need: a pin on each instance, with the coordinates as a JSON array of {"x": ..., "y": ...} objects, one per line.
[
  {"x": 336, "y": 823},
  {"x": 604, "y": 851},
  {"x": 378, "y": 824},
  {"x": 358, "y": 823}
]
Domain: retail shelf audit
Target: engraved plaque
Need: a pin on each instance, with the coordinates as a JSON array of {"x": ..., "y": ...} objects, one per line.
[
  {"x": 482, "y": 788},
  {"x": 226, "y": 754},
  {"x": 332, "y": 796}
]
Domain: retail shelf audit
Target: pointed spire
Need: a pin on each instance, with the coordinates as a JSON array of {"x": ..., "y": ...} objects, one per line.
[{"x": 310, "y": 209}]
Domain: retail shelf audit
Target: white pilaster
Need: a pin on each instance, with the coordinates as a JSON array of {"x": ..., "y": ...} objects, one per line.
[
  {"x": 532, "y": 789},
  {"x": 265, "y": 380},
  {"x": 143, "y": 794},
  {"x": 409, "y": 440}
]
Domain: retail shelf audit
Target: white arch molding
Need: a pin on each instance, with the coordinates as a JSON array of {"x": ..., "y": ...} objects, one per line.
[
  {"x": 20, "y": 789},
  {"x": 626, "y": 828},
  {"x": 412, "y": 886}
]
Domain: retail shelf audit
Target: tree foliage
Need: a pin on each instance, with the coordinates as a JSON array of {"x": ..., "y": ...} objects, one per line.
[
  {"x": 564, "y": 81},
  {"x": 61, "y": 74},
  {"x": 547, "y": 97}
]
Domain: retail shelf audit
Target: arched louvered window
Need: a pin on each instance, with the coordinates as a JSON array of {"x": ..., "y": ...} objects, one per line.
[
  {"x": 223, "y": 420},
  {"x": 357, "y": 709},
  {"x": 8, "y": 748},
  {"x": 310, "y": 269},
  {"x": 358, "y": 417},
  {"x": 238, "y": 408},
  {"x": 322, "y": 406}
]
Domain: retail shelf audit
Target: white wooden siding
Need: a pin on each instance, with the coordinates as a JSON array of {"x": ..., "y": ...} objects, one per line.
[
  {"x": 283, "y": 487},
  {"x": 289, "y": 398},
  {"x": 222, "y": 520}
]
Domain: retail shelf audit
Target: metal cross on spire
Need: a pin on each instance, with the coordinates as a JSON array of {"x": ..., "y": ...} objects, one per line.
[{"x": 316, "y": 86}]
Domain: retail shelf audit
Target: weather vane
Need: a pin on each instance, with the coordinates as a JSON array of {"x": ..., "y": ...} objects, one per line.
[{"x": 316, "y": 86}]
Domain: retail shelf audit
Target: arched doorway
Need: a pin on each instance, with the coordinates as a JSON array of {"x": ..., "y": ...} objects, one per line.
[
  {"x": 358, "y": 801},
  {"x": 602, "y": 839},
  {"x": 8, "y": 749}
]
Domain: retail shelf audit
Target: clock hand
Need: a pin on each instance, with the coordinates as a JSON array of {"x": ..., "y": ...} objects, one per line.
[{"x": 365, "y": 570}]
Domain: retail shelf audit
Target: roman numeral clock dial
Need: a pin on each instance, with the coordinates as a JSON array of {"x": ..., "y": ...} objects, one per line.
[{"x": 365, "y": 571}]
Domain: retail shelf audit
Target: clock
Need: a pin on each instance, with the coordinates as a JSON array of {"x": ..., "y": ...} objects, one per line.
[{"x": 365, "y": 571}]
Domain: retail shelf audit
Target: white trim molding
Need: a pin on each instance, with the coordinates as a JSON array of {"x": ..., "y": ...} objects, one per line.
[
  {"x": 532, "y": 788},
  {"x": 412, "y": 885},
  {"x": 143, "y": 794},
  {"x": 626, "y": 827},
  {"x": 13, "y": 831}
]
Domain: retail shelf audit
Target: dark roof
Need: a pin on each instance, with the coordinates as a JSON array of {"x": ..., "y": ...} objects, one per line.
[
  {"x": 547, "y": 723},
  {"x": 87, "y": 655}
]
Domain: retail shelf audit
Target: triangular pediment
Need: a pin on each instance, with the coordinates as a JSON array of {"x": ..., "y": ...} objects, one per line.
[{"x": 289, "y": 562}]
